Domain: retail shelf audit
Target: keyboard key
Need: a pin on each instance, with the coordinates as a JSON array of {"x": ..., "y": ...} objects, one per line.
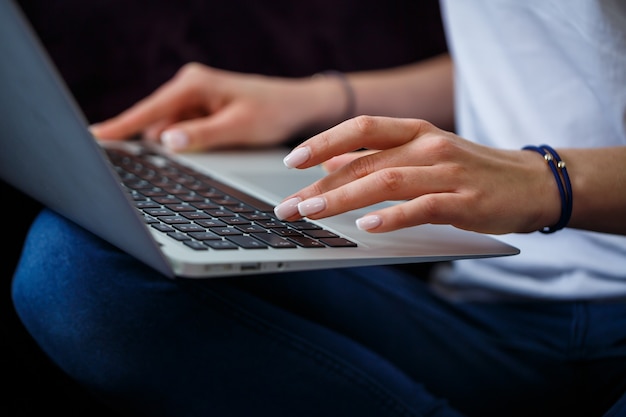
[
  {"x": 252, "y": 228},
  {"x": 234, "y": 221},
  {"x": 180, "y": 207},
  {"x": 338, "y": 242},
  {"x": 220, "y": 244},
  {"x": 173, "y": 219},
  {"x": 274, "y": 241},
  {"x": 158, "y": 212},
  {"x": 220, "y": 213},
  {"x": 247, "y": 242},
  {"x": 285, "y": 232},
  {"x": 195, "y": 215},
  {"x": 226, "y": 231},
  {"x": 178, "y": 236},
  {"x": 307, "y": 242},
  {"x": 146, "y": 204},
  {"x": 204, "y": 236},
  {"x": 211, "y": 223},
  {"x": 195, "y": 245},
  {"x": 163, "y": 227},
  {"x": 303, "y": 225},
  {"x": 319, "y": 233},
  {"x": 189, "y": 227}
]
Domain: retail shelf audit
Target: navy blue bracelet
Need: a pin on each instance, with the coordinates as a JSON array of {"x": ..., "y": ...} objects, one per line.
[{"x": 557, "y": 166}]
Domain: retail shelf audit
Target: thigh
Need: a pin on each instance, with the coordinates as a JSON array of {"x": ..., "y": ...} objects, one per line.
[
  {"x": 507, "y": 358},
  {"x": 157, "y": 346},
  {"x": 486, "y": 358}
]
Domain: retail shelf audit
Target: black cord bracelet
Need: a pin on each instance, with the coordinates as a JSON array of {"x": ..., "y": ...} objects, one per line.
[
  {"x": 348, "y": 90},
  {"x": 559, "y": 170}
]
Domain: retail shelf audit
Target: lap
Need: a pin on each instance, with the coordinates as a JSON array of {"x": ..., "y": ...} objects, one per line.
[{"x": 358, "y": 341}]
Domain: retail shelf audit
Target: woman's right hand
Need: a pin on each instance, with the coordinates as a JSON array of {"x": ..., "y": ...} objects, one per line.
[{"x": 202, "y": 108}]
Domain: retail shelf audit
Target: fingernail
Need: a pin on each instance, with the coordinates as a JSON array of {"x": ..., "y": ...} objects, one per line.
[
  {"x": 287, "y": 208},
  {"x": 174, "y": 139},
  {"x": 297, "y": 157},
  {"x": 311, "y": 206},
  {"x": 369, "y": 222},
  {"x": 93, "y": 129}
]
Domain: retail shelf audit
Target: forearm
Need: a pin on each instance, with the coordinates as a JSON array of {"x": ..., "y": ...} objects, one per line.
[
  {"x": 422, "y": 90},
  {"x": 598, "y": 178}
]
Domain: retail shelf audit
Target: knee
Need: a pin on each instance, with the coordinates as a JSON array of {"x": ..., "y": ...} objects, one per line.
[
  {"x": 78, "y": 296},
  {"x": 44, "y": 272}
]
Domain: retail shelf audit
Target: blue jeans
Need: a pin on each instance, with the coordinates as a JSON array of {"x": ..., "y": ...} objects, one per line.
[{"x": 361, "y": 342}]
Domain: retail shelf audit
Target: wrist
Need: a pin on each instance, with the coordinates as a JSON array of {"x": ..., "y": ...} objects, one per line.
[
  {"x": 558, "y": 168},
  {"x": 334, "y": 97}
]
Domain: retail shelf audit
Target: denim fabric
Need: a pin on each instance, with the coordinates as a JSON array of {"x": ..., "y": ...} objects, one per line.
[{"x": 369, "y": 341}]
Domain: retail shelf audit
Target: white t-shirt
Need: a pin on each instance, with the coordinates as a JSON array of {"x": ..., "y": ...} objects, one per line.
[{"x": 530, "y": 72}]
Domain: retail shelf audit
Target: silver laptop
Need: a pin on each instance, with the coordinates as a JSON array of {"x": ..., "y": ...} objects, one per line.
[{"x": 185, "y": 215}]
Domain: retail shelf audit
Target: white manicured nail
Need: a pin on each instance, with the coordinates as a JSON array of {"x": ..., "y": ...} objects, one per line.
[
  {"x": 369, "y": 222},
  {"x": 311, "y": 206},
  {"x": 174, "y": 139},
  {"x": 297, "y": 157},
  {"x": 287, "y": 208}
]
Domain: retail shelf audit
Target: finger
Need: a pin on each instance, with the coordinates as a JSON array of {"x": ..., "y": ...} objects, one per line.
[
  {"x": 397, "y": 183},
  {"x": 334, "y": 163},
  {"x": 465, "y": 209},
  {"x": 153, "y": 132},
  {"x": 437, "y": 208},
  {"x": 360, "y": 132},
  {"x": 229, "y": 127},
  {"x": 364, "y": 166},
  {"x": 167, "y": 102}
]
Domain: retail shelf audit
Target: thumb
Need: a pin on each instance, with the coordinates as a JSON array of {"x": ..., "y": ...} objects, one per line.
[
  {"x": 231, "y": 127},
  {"x": 203, "y": 133}
]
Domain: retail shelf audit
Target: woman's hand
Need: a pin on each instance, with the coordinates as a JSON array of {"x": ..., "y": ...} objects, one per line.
[
  {"x": 436, "y": 177},
  {"x": 202, "y": 108}
]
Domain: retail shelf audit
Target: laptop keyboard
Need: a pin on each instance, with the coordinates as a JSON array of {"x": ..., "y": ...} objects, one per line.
[{"x": 205, "y": 214}]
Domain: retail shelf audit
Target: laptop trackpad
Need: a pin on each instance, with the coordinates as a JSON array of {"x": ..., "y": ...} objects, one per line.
[{"x": 281, "y": 184}]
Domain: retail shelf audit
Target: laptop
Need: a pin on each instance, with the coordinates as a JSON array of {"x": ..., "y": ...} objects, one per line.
[{"x": 212, "y": 218}]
